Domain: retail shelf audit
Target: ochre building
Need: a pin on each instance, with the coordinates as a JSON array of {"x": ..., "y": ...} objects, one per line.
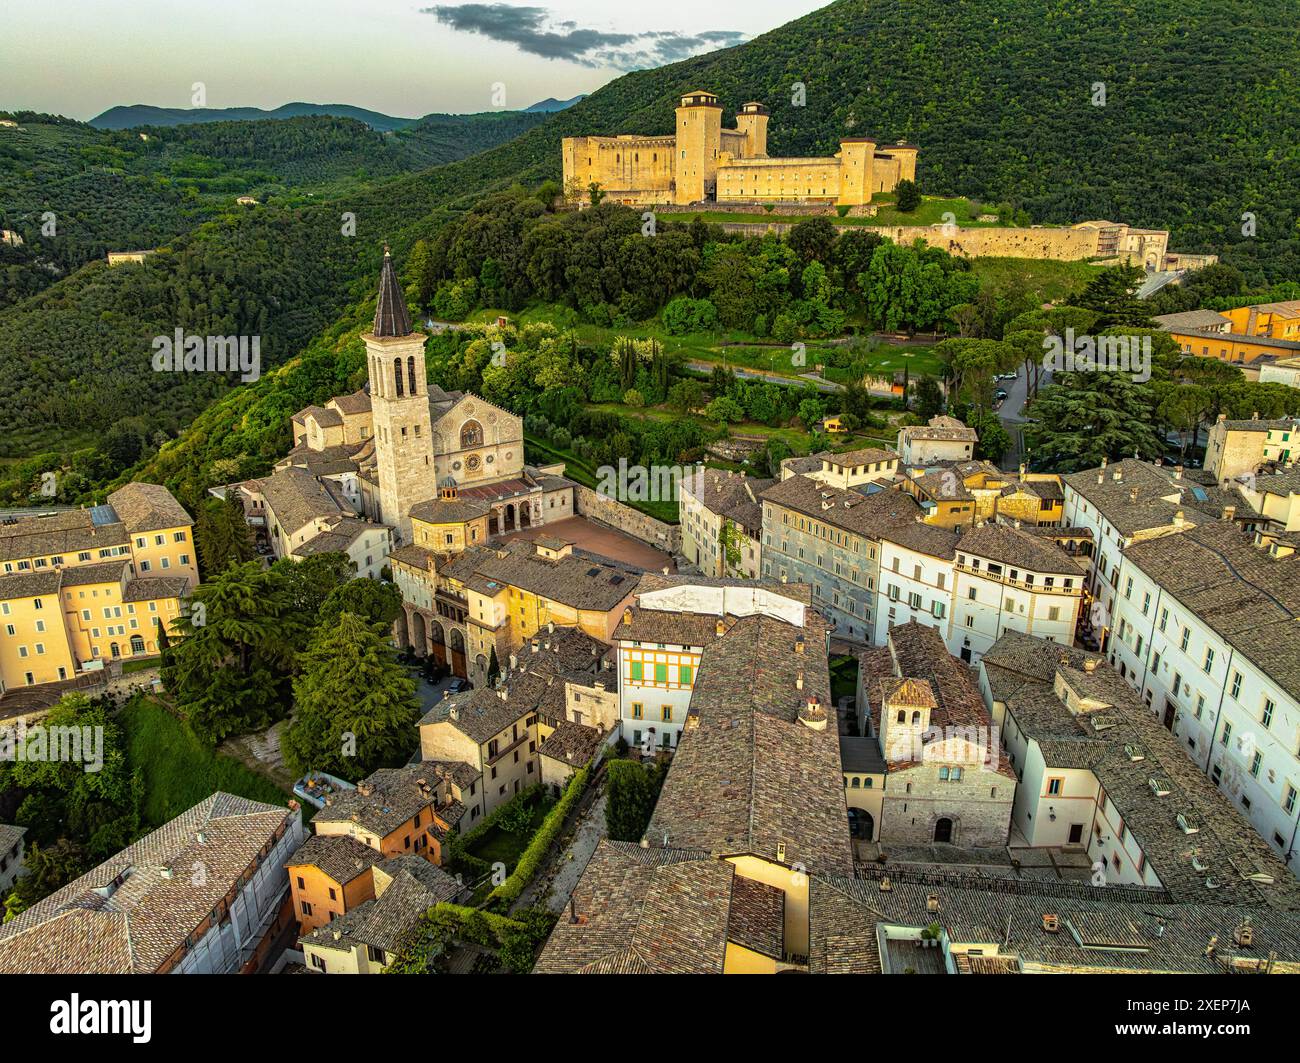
[{"x": 702, "y": 162}]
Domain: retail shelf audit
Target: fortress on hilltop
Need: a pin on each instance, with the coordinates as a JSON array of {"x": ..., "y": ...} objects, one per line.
[{"x": 703, "y": 162}]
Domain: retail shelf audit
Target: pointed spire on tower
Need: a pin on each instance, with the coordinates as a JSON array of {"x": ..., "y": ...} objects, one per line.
[{"x": 391, "y": 316}]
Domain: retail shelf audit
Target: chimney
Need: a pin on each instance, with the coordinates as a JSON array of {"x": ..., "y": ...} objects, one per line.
[
  {"x": 1221, "y": 418},
  {"x": 1090, "y": 665},
  {"x": 1022, "y": 470},
  {"x": 1254, "y": 415},
  {"x": 798, "y": 644},
  {"x": 1178, "y": 472},
  {"x": 721, "y": 627},
  {"x": 627, "y": 616},
  {"x": 550, "y": 627},
  {"x": 1051, "y": 922},
  {"x": 503, "y": 693},
  {"x": 798, "y": 680},
  {"x": 1117, "y": 475},
  {"x": 514, "y": 662},
  {"x": 1229, "y": 512},
  {"x": 533, "y": 645},
  {"x": 1179, "y": 520},
  {"x": 1244, "y": 934},
  {"x": 932, "y": 902},
  {"x": 1133, "y": 494}
]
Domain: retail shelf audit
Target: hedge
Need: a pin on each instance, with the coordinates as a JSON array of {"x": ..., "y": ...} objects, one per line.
[{"x": 508, "y": 892}]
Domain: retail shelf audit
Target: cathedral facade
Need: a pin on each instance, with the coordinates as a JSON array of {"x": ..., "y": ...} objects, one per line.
[{"x": 401, "y": 443}]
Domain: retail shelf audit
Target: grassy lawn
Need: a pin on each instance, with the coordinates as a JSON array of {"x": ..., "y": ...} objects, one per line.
[
  {"x": 500, "y": 845},
  {"x": 178, "y": 769},
  {"x": 139, "y": 664}
]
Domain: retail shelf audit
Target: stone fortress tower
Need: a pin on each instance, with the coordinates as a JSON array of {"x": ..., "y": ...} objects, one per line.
[
  {"x": 699, "y": 139},
  {"x": 703, "y": 162},
  {"x": 399, "y": 402}
]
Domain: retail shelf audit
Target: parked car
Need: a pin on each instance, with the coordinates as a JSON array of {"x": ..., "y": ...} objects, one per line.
[
  {"x": 458, "y": 684},
  {"x": 1000, "y": 395}
]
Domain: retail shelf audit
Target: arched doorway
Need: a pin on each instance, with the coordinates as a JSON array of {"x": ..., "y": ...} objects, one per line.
[
  {"x": 525, "y": 514},
  {"x": 437, "y": 642},
  {"x": 862, "y": 825},
  {"x": 494, "y": 523},
  {"x": 419, "y": 634},
  {"x": 943, "y": 829},
  {"x": 400, "y": 628},
  {"x": 456, "y": 643},
  {"x": 510, "y": 517},
  {"x": 117, "y": 651},
  {"x": 137, "y": 644}
]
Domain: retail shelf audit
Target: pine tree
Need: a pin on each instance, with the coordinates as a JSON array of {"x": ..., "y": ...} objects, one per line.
[
  {"x": 231, "y": 669},
  {"x": 355, "y": 705}
]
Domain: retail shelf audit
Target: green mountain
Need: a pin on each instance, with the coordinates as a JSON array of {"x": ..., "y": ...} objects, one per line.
[
  {"x": 1200, "y": 125},
  {"x": 114, "y": 190},
  {"x": 142, "y": 114}
]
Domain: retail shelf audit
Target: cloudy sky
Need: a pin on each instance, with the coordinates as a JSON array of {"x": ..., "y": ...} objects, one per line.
[{"x": 402, "y": 57}]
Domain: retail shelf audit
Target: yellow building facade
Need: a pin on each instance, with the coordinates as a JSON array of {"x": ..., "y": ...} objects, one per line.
[
  {"x": 81, "y": 587},
  {"x": 704, "y": 162}
]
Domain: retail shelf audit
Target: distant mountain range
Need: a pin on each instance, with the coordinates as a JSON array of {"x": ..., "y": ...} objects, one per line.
[
  {"x": 143, "y": 114},
  {"x": 551, "y": 105}
]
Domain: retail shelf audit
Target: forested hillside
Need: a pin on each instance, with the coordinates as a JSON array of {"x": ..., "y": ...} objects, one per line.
[
  {"x": 998, "y": 93},
  {"x": 112, "y": 190}
]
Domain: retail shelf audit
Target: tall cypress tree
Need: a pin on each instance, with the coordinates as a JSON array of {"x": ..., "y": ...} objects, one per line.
[{"x": 355, "y": 705}]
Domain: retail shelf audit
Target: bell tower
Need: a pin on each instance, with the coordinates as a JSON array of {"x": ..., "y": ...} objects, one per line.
[{"x": 399, "y": 405}]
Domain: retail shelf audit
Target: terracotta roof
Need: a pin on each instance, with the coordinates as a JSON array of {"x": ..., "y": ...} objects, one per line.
[
  {"x": 131, "y": 913},
  {"x": 357, "y": 402},
  {"x": 148, "y": 507},
  {"x": 384, "y": 800},
  {"x": 730, "y": 495},
  {"x": 65, "y": 533},
  {"x": 151, "y": 588},
  {"x": 662, "y": 911},
  {"x": 406, "y": 886},
  {"x": 341, "y": 858},
  {"x": 1102, "y": 929},
  {"x": 295, "y": 498},
  {"x": 29, "y": 584},
  {"x": 757, "y": 917},
  {"x": 572, "y": 743},
  {"x": 1135, "y": 496},
  {"x": 1225, "y": 847},
  {"x": 1010, "y": 545},
  {"x": 888, "y": 514},
  {"x": 749, "y": 775},
  {"x": 1248, "y": 597}
]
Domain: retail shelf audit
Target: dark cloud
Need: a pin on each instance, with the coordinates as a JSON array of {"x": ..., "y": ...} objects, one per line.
[{"x": 534, "y": 30}]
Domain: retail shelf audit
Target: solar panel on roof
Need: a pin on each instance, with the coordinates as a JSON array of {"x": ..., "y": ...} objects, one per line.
[
  {"x": 1199, "y": 494},
  {"x": 101, "y": 515}
]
